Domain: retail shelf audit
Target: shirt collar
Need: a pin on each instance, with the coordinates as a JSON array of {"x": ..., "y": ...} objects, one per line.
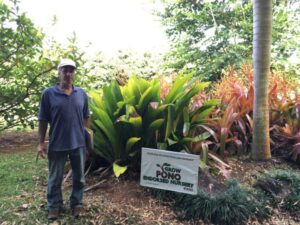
[{"x": 58, "y": 90}]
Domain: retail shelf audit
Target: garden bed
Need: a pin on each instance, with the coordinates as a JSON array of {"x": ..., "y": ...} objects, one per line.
[{"x": 124, "y": 201}]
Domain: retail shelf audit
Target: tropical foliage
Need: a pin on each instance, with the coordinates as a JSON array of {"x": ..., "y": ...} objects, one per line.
[
  {"x": 26, "y": 66},
  {"x": 208, "y": 36},
  {"x": 232, "y": 124},
  {"x": 103, "y": 69},
  {"x": 176, "y": 114},
  {"x": 290, "y": 182},
  {"x": 236, "y": 204},
  {"x": 126, "y": 118}
]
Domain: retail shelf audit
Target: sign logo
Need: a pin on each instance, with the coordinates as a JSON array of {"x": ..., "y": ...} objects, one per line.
[{"x": 166, "y": 171}]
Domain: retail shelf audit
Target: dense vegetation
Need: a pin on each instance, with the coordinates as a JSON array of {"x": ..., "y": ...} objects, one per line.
[
  {"x": 182, "y": 114},
  {"x": 136, "y": 103},
  {"x": 208, "y": 36},
  {"x": 26, "y": 66}
]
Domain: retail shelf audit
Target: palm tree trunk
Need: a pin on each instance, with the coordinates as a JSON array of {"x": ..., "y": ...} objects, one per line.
[{"x": 262, "y": 12}]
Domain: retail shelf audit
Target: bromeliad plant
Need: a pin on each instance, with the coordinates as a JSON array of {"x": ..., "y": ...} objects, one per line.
[
  {"x": 126, "y": 118},
  {"x": 287, "y": 132},
  {"x": 116, "y": 121},
  {"x": 231, "y": 125}
]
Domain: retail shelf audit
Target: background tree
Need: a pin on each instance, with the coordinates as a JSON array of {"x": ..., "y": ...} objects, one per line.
[
  {"x": 26, "y": 66},
  {"x": 28, "y": 61},
  {"x": 262, "y": 39},
  {"x": 209, "y": 35},
  {"x": 103, "y": 69}
]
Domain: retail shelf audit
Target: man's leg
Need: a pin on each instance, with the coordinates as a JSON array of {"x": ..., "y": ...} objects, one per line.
[
  {"x": 77, "y": 158},
  {"x": 56, "y": 161}
]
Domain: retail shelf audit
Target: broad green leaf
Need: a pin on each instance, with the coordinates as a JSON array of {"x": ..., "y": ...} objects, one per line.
[
  {"x": 185, "y": 99},
  {"x": 108, "y": 99},
  {"x": 186, "y": 120},
  {"x": 119, "y": 170},
  {"x": 153, "y": 114},
  {"x": 149, "y": 134},
  {"x": 130, "y": 143},
  {"x": 206, "y": 105},
  {"x": 136, "y": 122},
  {"x": 170, "y": 121},
  {"x": 162, "y": 145},
  {"x": 199, "y": 137},
  {"x": 106, "y": 125},
  {"x": 186, "y": 128},
  {"x": 202, "y": 165},
  {"x": 171, "y": 142},
  {"x": 96, "y": 97},
  {"x": 176, "y": 88},
  {"x": 130, "y": 110},
  {"x": 148, "y": 96},
  {"x": 156, "y": 124},
  {"x": 200, "y": 116},
  {"x": 132, "y": 90}
]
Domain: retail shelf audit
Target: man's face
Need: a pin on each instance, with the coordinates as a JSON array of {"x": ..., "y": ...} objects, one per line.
[{"x": 66, "y": 75}]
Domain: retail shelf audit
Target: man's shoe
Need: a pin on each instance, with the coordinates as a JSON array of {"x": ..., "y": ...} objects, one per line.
[
  {"x": 77, "y": 211},
  {"x": 53, "y": 214}
]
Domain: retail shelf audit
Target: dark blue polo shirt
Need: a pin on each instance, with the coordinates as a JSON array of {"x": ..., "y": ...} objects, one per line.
[{"x": 65, "y": 113}]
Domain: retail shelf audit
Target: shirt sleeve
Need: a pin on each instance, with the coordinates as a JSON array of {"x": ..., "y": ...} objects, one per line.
[{"x": 44, "y": 112}]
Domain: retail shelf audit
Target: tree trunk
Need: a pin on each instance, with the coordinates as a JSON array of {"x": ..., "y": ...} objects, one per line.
[{"x": 262, "y": 27}]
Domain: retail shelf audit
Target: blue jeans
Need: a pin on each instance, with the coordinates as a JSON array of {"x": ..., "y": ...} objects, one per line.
[{"x": 56, "y": 164}]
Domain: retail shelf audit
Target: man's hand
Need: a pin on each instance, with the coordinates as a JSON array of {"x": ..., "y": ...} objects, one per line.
[{"x": 41, "y": 150}]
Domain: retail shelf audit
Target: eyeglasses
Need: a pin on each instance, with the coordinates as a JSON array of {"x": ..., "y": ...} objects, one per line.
[{"x": 68, "y": 69}]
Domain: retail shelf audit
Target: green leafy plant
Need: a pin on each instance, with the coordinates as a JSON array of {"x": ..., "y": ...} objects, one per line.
[
  {"x": 26, "y": 66},
  {"x": 208, "y": 36},
  {"x": 234, "y": 206},
  {"x": 231, "y": 125},
  {"x": 126, "y": 118},
  {"x": 285, "y": 116},
  {"x": 290, "y": 184}
]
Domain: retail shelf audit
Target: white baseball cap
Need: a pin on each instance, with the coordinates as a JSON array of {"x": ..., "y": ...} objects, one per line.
[{"x": 66, "y": 62}]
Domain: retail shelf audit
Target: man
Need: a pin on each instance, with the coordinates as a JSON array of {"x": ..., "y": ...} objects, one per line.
[{"x": 65, "y": 108}]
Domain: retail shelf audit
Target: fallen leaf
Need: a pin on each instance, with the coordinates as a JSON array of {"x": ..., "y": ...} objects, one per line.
[
  {"x": 25, "y": 206},
  {"x": 54, "y": 223}
]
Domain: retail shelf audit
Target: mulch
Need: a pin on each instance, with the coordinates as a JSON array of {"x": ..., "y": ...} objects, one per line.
[{"x": 126, "y": 202}]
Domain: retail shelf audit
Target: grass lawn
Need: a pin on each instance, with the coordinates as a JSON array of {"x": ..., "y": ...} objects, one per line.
[
  {"x": 23, "y": 185},
  {"x": 22, "y": 188}
]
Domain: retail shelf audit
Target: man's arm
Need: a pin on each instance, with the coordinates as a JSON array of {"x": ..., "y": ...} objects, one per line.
[
  {"x": 86, "y": 122},
  {"x": 41, "y": 148}
]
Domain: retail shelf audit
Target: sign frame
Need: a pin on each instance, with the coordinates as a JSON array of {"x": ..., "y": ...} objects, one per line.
[{"x": 168, "y": 170}]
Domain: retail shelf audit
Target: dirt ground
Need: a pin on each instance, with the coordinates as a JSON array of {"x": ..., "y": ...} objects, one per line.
[
  {"x": 11, "y": 142},
  {"x": 127, "y": 202}
]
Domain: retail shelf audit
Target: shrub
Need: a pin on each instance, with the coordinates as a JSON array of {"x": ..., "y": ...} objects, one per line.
[
  {"x": 291, "y": 180},
  {"x": 126, "y": 118},
  {"x": 234, "y": 206},
  {"x": 232, "y": 122}
]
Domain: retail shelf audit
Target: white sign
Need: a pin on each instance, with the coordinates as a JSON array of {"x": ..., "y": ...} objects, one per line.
[{"x": 168, "y": 170}]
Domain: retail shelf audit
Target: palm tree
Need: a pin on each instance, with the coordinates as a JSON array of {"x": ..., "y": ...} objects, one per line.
[{"x": 262, "y": 23}]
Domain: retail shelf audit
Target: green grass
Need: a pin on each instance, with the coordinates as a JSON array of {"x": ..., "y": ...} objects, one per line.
[
  {"x": 22, "y": 188},
  {"x": 23, "y": 185}
]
